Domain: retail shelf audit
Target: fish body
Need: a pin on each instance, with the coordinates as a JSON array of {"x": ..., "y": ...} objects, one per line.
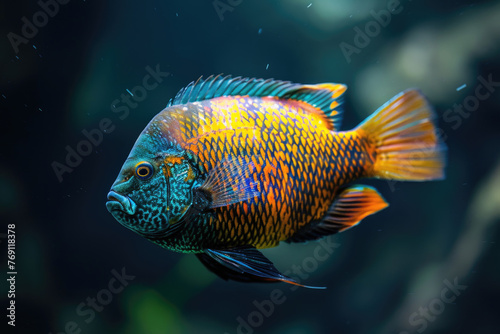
[{"x": 233, "y": 165}]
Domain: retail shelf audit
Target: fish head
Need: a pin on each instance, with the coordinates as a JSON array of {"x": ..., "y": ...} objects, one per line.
[{"x": 154, "y": 187}]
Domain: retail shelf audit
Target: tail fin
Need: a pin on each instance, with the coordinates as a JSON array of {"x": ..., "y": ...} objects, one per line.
[{"x": 405, "y": 143}]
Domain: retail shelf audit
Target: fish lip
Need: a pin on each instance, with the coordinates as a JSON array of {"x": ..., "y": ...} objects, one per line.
[{"x": 118, "y": 202}]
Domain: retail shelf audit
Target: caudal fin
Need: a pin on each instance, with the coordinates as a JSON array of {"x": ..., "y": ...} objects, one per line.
[{"x": 405, "y": 145}]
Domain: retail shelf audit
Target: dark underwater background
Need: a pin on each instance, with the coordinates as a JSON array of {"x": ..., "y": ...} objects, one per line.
[{"x": 427, "y": 264}]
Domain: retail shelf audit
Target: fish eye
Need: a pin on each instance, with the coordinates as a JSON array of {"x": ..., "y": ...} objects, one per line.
[{"x": 143, "y": 170}]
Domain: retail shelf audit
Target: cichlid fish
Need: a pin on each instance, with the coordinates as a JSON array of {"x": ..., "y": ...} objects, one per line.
[{"x": 233, "y": 165}]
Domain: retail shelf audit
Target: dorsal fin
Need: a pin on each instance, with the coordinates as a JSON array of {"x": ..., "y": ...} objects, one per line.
[{"x": 327, "y": 96}]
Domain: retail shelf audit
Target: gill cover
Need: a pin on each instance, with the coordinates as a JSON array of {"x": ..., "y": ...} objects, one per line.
[{"x": 180, "y": 176}]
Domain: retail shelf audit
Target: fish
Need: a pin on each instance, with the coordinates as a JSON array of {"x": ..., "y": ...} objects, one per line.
[{"x": 233, "y": 165}]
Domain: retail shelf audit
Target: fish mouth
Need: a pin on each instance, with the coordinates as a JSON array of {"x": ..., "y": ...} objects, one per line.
[{"x": 117, "y": 202}]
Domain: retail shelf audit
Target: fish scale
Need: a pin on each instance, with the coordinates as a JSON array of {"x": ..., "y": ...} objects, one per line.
[
  {"x": 237, "y": 164},
  {"x": 285, "y": 199}
]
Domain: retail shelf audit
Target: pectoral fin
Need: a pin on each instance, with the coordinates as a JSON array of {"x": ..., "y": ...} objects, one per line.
[
  {"x": 244, "y": 264},
  {"x": 231, "y": 182}
]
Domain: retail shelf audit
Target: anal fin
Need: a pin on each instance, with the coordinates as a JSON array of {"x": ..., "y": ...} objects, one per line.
[{"x": 349, "y": 208}]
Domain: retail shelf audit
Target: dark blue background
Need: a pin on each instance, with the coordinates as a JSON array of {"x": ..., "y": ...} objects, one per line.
[{"x": 66, "y": 78}]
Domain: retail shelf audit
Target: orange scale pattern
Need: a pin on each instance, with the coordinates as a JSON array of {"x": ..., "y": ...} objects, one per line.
[{"x": 300, "y": 163}]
